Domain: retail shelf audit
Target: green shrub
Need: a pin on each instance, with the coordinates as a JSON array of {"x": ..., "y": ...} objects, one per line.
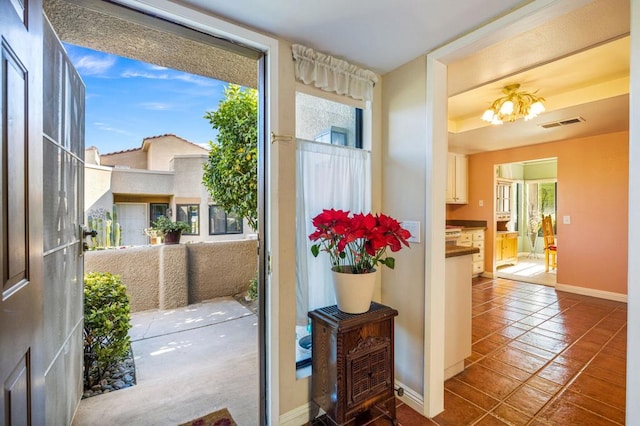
[
  {"x": 106, "y": 324},
  {"x": 252, "y": 293}
]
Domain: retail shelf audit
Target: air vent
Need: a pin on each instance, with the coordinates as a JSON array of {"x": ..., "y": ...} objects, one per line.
[{"x": 565, "y": 122}]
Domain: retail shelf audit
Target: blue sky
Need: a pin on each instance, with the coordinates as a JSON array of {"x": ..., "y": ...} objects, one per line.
[{"x": 128, "y": 100}]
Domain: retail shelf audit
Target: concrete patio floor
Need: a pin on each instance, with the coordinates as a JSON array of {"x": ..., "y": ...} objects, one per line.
[{"x": 189, "y": 362}]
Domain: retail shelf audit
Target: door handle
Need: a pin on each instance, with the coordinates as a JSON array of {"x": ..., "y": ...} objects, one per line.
[{"x": 86, "y": 233}]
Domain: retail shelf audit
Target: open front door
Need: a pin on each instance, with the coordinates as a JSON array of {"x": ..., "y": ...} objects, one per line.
[
  {"x": 21, "y": 309},
  {"x": 41, "y": 193}
]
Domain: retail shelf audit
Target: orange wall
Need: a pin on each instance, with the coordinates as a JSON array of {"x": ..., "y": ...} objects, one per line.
[{"x": 593, "y": 183}]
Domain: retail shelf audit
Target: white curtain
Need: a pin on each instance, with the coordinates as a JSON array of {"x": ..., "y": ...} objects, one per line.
[
  {"x": 332, "y": 74},
  {"x": 327, "y": 176}
]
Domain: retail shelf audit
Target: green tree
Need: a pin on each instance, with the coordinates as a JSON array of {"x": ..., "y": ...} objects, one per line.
[{"x": 231, "y": 174}]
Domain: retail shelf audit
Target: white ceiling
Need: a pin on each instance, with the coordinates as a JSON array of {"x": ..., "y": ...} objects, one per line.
[
  {"x": 377, "y": 34},
  {"x": 382, "y": 35}
]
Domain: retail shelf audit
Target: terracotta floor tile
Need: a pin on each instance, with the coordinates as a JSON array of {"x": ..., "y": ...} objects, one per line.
[
  {"x": 519, "y": 359},
  {"x": 490, "y": 420},
  {"x": 615, "y": 376},
  {"x": 597, "y": 336},
  {"x": 485, "y": 346},
  {"x": 471, "y": 394},
  {"x": 506, "y": 369},
  {"x": 582, "y": 351},
  {"x": 475, "y": 356},
  {"x": 457, "y": 411},
  {"x": 550, "y": 311},
  {"x": 505, "y": 313},
  {"x": 600, "y": 390},
  {"x": 544, "y": 384},
  {"x": 597, "y": 407},
  {"x": 406, "y": 416},
  {"x": 562, "y": 412},
  {"x": 573, "y": 363},
  {"x": 532, "y": 350},
  {"x": 531, "y": 321},
  {"x": 531, "y": 342},
  {"x": 527, "y": 306},
  {"x": 543, "y": 342},
  {"x": 611, "y": 352},
  {"x": 510, "y": 415},
  {"x": 512, "y": 332},
  {"x": 528, "y": 400},
  {"x": 609, "y": 363},
  {"x": 557, "y": 373},
  {"x": 567, "y": 338},
  {"x": 498, "y": 338},
  {"x": 490, "y": 382}
]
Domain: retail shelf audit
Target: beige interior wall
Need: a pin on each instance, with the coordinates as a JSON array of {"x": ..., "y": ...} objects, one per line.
[{"x": 403, "y": 197}]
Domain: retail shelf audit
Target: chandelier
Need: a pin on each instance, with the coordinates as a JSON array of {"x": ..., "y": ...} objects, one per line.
[{"x": 513, "y": 106}]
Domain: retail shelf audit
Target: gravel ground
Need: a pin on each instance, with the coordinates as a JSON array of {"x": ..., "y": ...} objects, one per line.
[{"x": 120, "y": 376}]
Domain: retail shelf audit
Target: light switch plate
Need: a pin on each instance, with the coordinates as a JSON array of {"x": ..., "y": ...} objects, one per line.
[
  {"x": 566, "y": 220},
  {"x": 413, "y": 227}
]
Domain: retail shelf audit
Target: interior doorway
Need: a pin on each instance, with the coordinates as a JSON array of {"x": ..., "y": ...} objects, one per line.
[
  {"x": 168, "y": 45},
  {"x": 526, "y": 192}
]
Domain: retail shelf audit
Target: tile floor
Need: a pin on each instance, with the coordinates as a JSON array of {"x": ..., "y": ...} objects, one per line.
[
  {"x": 528, "y": 269},
  {"x": 540, "y": 357}
]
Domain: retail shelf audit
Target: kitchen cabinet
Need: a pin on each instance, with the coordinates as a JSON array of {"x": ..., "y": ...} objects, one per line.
[
  {"x": 504, "y": 198},
  {"x": 474, "y": 238},
  {"x": 506, "y": 248},
  {"x": 457, "y": 314},
  {"x": 457, "y": 179}
]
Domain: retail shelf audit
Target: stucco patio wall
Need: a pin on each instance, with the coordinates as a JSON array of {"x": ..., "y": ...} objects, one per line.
[{"x": 172, "y": 276}]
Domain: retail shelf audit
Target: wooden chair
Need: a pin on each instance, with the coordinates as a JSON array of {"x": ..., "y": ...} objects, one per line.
[{"x": 550, "y": 248}]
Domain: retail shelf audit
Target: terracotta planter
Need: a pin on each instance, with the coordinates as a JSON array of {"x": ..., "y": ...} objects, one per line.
[
  {"x": 172, "y": 237},
  {"x": 353, "y": 291}
]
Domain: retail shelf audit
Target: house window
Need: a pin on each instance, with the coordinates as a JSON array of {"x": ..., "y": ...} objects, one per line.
[
  {"x": 189, "y": 213},
  {"x": 322, "y": 120},
  {"x": 156, "y": 210},
  {"x": 221, "y": 222},
  {"x": 322, "y": 168}
]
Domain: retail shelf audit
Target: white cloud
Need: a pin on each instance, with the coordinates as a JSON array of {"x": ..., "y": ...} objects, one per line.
[
  {"x": 94, "y": 65},
  {"x": 156, "y": 106},
  {"x": 106, "y": 128},
  {"x": 157, "y": 67},
  {"x": 188, "y": 78}
]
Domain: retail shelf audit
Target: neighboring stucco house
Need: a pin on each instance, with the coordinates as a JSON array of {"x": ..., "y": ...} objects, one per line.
[{"x": 162, "y": 177}]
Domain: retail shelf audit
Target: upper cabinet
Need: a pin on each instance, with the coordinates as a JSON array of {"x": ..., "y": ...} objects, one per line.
[{"x": 457, "y": 179}]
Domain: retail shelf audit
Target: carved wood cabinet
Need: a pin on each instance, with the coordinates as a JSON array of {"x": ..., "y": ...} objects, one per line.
[{"x": 352, "y": 363}]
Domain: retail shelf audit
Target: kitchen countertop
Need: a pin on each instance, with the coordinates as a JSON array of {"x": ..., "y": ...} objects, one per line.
[
  {"x": 468, "y": 225},
  {"x": 452, "y": 250}
]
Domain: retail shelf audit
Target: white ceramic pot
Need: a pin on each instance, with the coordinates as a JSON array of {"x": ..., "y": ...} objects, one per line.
[{"x": 354, "y": 291}]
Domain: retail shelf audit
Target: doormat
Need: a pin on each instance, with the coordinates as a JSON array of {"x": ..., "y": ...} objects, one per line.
[{"x": 217, "y": 418}]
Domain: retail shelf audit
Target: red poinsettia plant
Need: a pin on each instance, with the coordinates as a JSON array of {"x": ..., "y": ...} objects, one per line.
[{"x": 357, "y": 242}]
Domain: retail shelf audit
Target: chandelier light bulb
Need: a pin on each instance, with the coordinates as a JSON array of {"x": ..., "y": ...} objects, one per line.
[
  {"x": 506, "y": 108},
  {"x": 488, "y": 115},
  {"x": 514, "y": 105},
  {"x": 537, "y": 108}
]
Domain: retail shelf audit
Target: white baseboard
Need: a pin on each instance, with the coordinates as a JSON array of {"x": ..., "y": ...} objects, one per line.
[
  {"x": 601, "y": 294},
  {"x": 412, "y": 398},
  {"x": 298, "y": 416}
]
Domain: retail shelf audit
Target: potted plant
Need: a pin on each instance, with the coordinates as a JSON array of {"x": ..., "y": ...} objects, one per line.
[
  {"x": 155, "y": 235},
  {"x": 170, "y": 230},
  {"x": 356, "y": 244}
]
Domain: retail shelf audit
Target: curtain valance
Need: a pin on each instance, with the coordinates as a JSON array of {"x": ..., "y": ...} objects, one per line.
[{"x": 332, "y": 74}]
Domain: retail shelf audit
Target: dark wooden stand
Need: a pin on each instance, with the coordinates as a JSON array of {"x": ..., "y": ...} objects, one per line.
[{"x": 352, "y": 359}]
